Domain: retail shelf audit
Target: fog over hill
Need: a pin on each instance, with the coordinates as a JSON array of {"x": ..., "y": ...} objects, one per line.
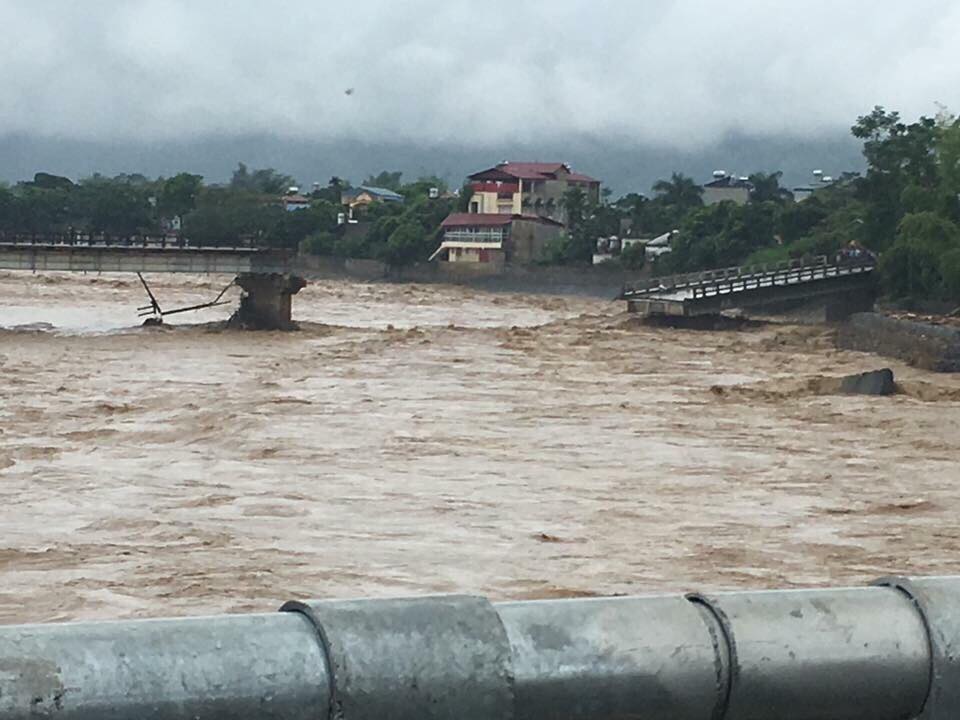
[
  {"x": 628, "y": 91},
  {"x": 630, "y": 168}
]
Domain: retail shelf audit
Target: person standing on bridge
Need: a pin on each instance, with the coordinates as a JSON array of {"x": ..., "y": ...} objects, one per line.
[{"x": 854, "y": 252}]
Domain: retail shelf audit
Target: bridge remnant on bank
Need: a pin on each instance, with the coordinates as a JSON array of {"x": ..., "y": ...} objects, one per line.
[
  {"x": 265, "y": 275},
  {"x": 846, "y": 287},
  {"x": 885, "y": 652}
]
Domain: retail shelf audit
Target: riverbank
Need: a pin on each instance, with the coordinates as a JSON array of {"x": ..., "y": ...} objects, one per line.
[{"x": 923, "y": 344}]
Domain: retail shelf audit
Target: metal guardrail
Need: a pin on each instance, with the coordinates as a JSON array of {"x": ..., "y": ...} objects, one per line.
[
  {"x": 687, "y": 280},
  {"x": 779, "y": 278},
  {"x": 886, "y": 652},
  {"x": 103, "y": 240}
]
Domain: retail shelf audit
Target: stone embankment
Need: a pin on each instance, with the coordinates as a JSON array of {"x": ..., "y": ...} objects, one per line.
[{"x": 923, "y": 345}]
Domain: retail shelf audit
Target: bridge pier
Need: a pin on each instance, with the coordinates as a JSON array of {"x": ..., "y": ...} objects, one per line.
[
  {"x": 267, "y": 301},
  {"x": 841, "y": 307}
]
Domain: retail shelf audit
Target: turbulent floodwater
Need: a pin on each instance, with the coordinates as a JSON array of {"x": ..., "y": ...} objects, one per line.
[{"x": 416, "y": 439}]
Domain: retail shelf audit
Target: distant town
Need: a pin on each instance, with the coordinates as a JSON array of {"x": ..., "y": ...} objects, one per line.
[{"x": 904, "y": 208}]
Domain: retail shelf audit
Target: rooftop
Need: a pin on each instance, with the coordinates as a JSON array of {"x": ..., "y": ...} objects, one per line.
[
  {"x": 533, "y": 171},
  {"x": 491, "y": 220},
  {"x": 730, "y": 181},
  {"x": 377, "y": 192}
]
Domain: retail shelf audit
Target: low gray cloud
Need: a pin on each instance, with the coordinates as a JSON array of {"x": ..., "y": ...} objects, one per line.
[{"x": 680, "y": 73}]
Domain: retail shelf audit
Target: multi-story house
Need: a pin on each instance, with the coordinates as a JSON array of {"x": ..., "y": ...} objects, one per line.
[
  {"x": 495, "y": 239},
  {"x": 515, "y": 210},
  {"x": 727, "y": 188},
  {"x": 523, "y": 188}
]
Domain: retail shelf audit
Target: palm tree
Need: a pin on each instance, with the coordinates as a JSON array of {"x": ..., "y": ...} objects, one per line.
[
  {"x": 766, "y": 187},
  {"x": 679, "y": 190}
]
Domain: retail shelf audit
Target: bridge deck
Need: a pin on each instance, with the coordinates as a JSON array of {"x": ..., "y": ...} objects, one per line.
[
  {"x": 716, "y": 290},
  {"x": 133, "y": 254}
]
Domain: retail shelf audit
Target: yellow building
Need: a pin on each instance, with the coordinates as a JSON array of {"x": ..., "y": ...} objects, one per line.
[
  {"x": 530, "y": 189},
  {"x": 364, "y": 195},
  {"x": 495, "y": 238}
]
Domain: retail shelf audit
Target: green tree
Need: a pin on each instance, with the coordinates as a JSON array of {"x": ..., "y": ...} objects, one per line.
[
  {"x": 46, "y": 181},
  {"x": 898, "y": 155},
  {"x": 322, "y": 242},
  {"x": 631, "y": 204},
  {"x": 950, "y": 274},
  {"x": 405, "y": 245},
  {"x": 578, "y": 245},
  {"x": 112, "y": 206},
  {"x": 766, "y": 187},
  {"x": 38, "y": 210},
  {"x": 9, "y": 210},
  {"x": 385, "y": 179},
  {"x": 837, "y": 230},
  {"x": 266, "y": 181},
  {"x": 633, "y": 256},
  {"x": 721, "y": 235},
  {"x": 420, "y": 190},
  {"x": 575, "y": 207},
  {"x": 226, "y": 216},
  {"x": 799, "y": 219},
  {"x": 289, "y": 229},
  {"x": 333, "y": 192},
  {"x": 586, "y": 222},
  {"x": 679, "y": 191},
  {"x": 924, "y": 248},
  {"x": 948, "y": 166},
  {"x": 178, "y": 195}
]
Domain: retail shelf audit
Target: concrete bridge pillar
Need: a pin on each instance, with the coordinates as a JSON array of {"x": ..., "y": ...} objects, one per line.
[
  {"x": 842, "y": 306},
  {"x": 267, "y": 300}
]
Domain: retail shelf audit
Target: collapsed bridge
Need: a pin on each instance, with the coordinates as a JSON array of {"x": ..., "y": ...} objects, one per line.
[
  {"x": 846, "y": 287},
  {"x": 265, "y": 275}
]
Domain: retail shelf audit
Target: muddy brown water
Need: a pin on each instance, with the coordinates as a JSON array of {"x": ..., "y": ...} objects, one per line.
[{"x": 421, "y": 439}]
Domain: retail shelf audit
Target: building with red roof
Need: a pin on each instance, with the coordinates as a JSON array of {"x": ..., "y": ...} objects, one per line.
[
  {"x": 528, "y": 188},
  {"x": 495, "y": 238},
  {"x": 295, "y": 201},
  {"x": 515, "y": 210}
]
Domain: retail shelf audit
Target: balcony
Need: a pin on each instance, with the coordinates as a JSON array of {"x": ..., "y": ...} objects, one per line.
[
  {"x": 503, "y": 190},
  {"x": 475, "y": 235}
]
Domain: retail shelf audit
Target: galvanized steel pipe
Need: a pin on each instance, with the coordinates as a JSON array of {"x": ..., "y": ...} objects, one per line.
[
  {"x": 886, "y": 652},
  {"x": 240, "y": 667}
]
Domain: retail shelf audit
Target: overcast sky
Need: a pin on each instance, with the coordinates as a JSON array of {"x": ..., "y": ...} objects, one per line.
[{"x": 679, "y": 73}]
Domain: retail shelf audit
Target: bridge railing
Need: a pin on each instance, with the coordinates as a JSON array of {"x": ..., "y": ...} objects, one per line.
[
  {"x": 885, "y": 652},
  {"x": 784, "y": 276},
  {"x": 703, "y": 277},
  {"x": 100, "y": 240}
]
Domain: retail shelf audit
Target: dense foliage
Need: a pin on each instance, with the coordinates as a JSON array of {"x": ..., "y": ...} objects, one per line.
[
  {"x": 904, "y": 207},
  {"x": 249, "y": 208}
]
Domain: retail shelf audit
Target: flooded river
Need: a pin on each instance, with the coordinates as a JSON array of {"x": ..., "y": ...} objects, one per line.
[{"x": 420, "y": 439}]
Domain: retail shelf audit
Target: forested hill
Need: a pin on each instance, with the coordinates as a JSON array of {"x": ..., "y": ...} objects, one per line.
[
  {"x": 903, "y": 207},
  {"x": 622, "y": 165}
]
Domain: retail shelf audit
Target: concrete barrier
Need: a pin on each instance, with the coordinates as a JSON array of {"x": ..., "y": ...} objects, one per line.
[
  {"x": 931, "y": 347},
  {"x": 886, "y": 652}
]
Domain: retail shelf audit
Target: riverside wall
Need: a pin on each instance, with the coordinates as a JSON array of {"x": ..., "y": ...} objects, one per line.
[{"x": 923, "y": 345}]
